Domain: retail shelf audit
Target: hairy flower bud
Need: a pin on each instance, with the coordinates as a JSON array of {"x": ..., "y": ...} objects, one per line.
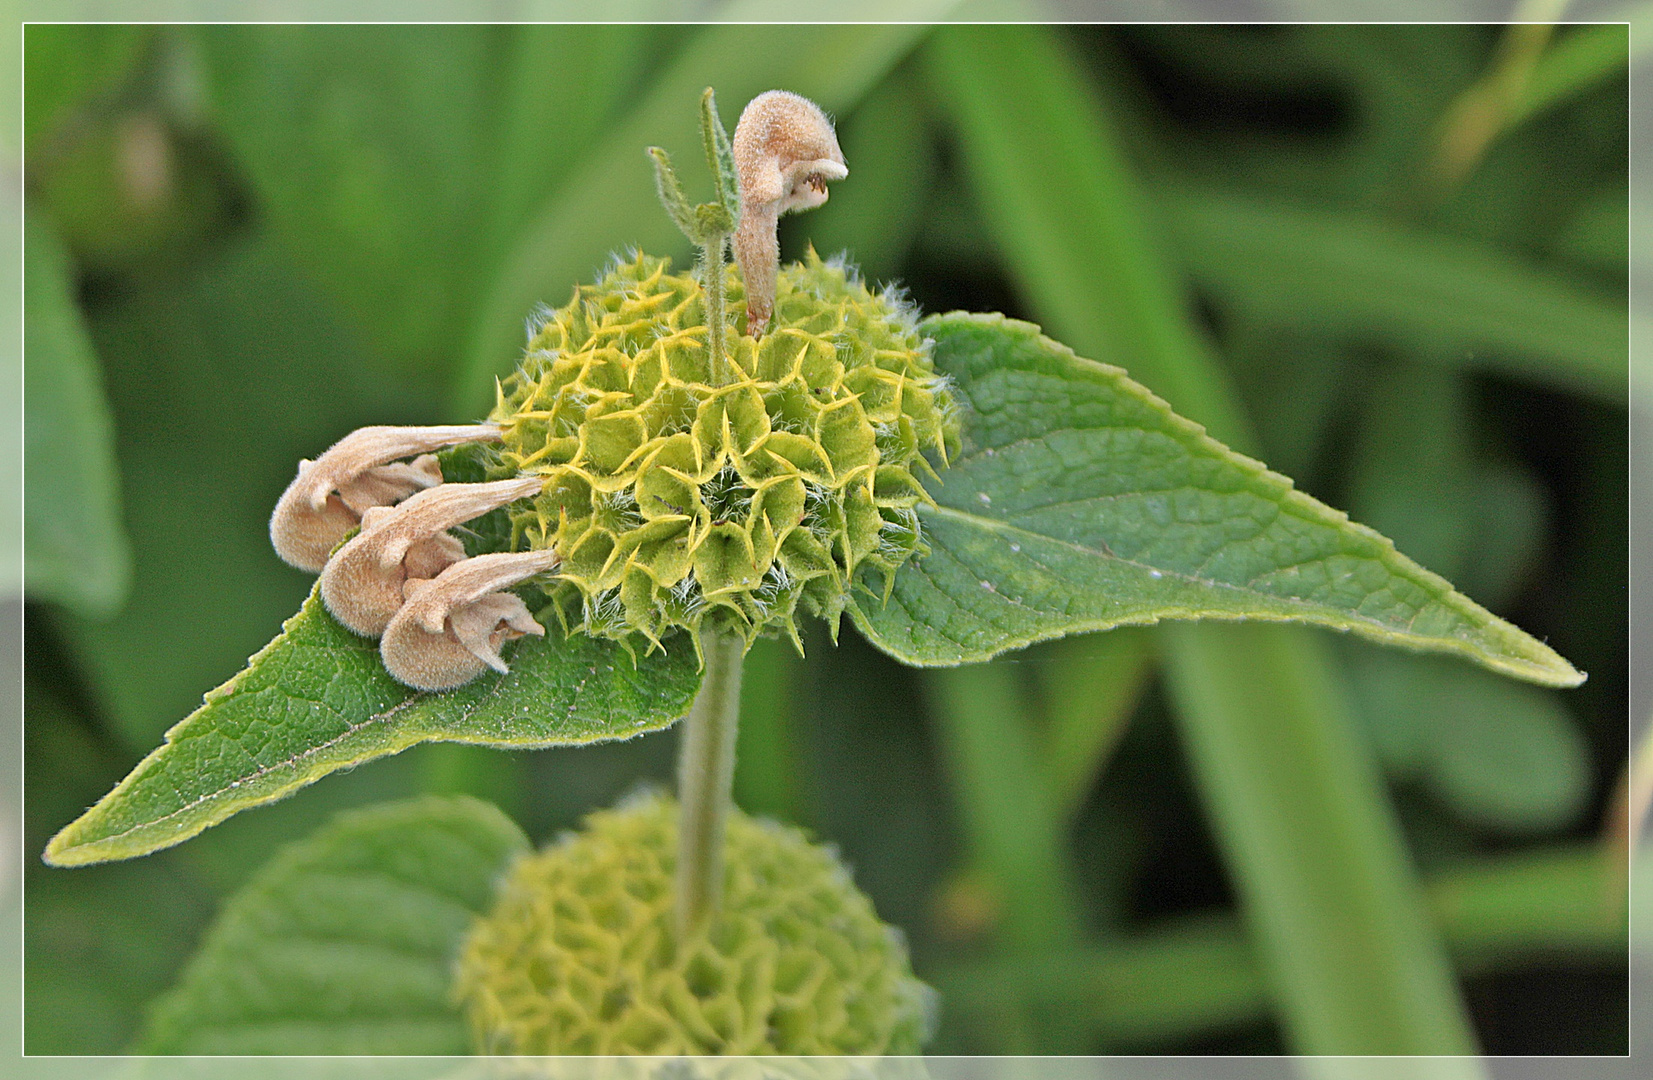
[
  {"x": 451, "y": 627},
  {"x": 362, "y": 583},
  {"x": 785, "y": 152},
  {"x": 362, "y": 470}
]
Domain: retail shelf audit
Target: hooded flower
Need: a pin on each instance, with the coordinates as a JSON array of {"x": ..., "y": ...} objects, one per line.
[
  {"x": 451, "y": 627},
  {"x": 785, "y": 152},
  {"x": 362, "y": 583},
  {"x": 361, "y": 471}
]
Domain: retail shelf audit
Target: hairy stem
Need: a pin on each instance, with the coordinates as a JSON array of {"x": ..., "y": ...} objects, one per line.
[
  {"x": 711, "y": 283},
  {"x": 705, "y": 776}
]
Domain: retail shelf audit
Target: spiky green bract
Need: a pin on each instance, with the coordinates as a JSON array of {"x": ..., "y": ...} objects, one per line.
[
  {"x": 580, "y": 955},
  {"x": 675, "y": 496}
]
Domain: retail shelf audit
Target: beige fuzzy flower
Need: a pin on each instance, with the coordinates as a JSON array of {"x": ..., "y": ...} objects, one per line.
[
  {"x": 361, "y": 471},
  {"x": 362, "y": 583},
  {"x": 451, "y": 628},
  {"x": 785, "y": 152}
]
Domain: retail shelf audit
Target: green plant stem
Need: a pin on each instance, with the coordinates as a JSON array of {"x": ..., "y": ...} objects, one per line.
[
  {"x": 705, "y": 777},
  {"x": 711, "y": 283}
]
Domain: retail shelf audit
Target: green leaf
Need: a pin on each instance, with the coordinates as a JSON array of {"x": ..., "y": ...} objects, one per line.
[
  {"x": 1057, "y": 193},
  {"x": 69, "y": 67},
  {"x": 670, "y": 190},
  {"x": 74, "y": 542},
  {"x": 1502, "y": 755},
  {"x": 102, "y": 942},
  {"x": 720, "y": 157},
  {"x": 222, "y": 377},
  {"x": 1081, "y": 502},
  {"x": 318, "y": 699},
  {"x": 344, "y": 943}
]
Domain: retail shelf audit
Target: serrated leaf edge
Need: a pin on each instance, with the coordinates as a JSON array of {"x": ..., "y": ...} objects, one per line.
[{"x": 1545, "y": 667}]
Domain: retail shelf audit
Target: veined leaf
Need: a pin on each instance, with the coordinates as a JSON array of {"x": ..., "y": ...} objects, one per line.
[
  {"x": 344, "y": 942},
  {"x": 318, "y": 699},
  {"x": 1128, "y": 514}
]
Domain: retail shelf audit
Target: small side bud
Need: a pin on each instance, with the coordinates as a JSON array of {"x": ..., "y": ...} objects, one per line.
[
  {"x": 451, "y": 628},
  {"x": 785, "y": 152},
  {"x": 362, "y": 470},
  {"x": 362, "y": 584}
]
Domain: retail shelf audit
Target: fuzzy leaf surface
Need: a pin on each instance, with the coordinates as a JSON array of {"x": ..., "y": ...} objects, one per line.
[
  {"x": 344, "y": 942},
  {"x": 318, "y": 699},
  {"x": 1082, "y": 502}
]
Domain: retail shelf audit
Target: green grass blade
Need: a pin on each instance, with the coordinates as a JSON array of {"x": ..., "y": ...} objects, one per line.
[
  {"x": 1011, "y": 821},
  {"x": 875, "y": 216},
  {"x": 1581, "y": 58},
  {"x": 1090, "y": 686},
  {"x": 1074, "y": 226},
  {"x": 1330, "y": 894},
  {"x": 1480, "y": 307},
  {"x": 1044, "y": 169},
  {"x": 610, "y": 201},
  {"x": 1188, "y": 979}
]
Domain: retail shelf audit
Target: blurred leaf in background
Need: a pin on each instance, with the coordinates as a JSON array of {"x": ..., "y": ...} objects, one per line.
[
  {"x": 270, "y": 235},
  {"x": 75, "y": 543}
]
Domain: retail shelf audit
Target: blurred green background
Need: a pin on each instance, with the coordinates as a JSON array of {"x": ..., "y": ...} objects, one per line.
[{"x": 1389, "y": 260}]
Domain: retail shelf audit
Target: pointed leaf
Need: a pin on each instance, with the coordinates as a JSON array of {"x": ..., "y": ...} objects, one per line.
[
  {"x": 720, "y": 157},
  {"x": 1124, "y": 513},
  {"x": 344, "y": 942},
  {"x": 671, "y": 194},
  {"x": 318, "y": 699}
]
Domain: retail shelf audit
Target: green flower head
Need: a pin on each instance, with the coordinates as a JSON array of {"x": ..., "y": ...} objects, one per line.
[
  {"x": 579, "y": 956},
  {"x": 674, "y": 497}
]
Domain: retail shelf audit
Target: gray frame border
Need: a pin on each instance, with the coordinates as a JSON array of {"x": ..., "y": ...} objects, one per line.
[{"x": 1640, "y": 553}]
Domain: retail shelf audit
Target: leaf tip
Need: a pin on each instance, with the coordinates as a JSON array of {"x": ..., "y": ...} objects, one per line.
[{"x": 66, "y": 849}]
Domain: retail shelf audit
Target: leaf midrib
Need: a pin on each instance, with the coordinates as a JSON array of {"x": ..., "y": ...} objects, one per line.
[{"x": 1285, "y": 600}]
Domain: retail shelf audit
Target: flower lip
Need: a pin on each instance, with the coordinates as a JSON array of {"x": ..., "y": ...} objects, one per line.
[
  {"x": 362, "y": 583},
  {"x": 452, "y": 626},
  {"x": 362, "y": 470},
  {"x": 807, "y": 187}
]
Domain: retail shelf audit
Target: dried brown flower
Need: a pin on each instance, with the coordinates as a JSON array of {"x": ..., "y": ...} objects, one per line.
[
  {"x": 362, "y": 470},
  {"x": 451, "y": 628},
  {"x": 362, "y": 583},
  {"x": 785, "y": 152}
]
